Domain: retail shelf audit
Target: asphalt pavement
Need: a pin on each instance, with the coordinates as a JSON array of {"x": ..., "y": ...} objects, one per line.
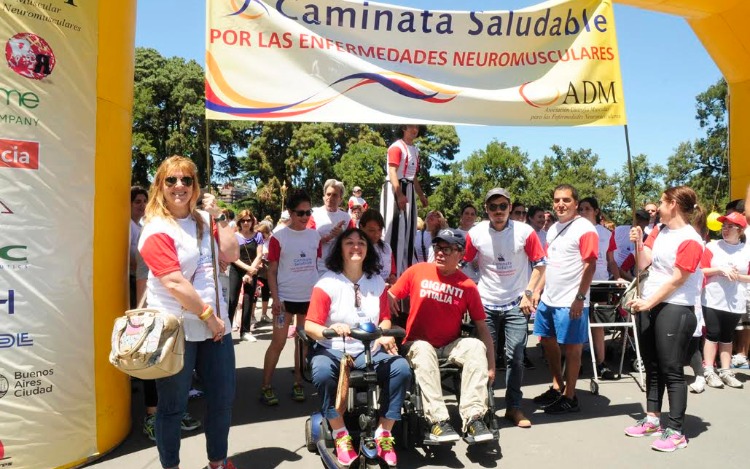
[{"x": 717, "y": 426}]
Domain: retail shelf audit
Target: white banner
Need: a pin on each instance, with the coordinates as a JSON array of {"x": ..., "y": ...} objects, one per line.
[
  {"x": 47, "y": 157},
  {"x": 556, "y": 63}
]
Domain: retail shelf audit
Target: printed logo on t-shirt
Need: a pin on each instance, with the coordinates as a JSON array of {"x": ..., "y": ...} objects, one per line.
[
  {"x": 440, "y": 292},
  {"x": 302, "y": 254},
  {"x": 302, "y": 263}
]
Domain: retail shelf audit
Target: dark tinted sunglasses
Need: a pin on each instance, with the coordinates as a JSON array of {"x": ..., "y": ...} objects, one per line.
[
  {"x": 187, "y": 181},
  {"x": 302, "y": 213},
  {"x": 520, "y": 212},
  {"x": 246, "y": 220},
  {"x": 501, "y": 206}
]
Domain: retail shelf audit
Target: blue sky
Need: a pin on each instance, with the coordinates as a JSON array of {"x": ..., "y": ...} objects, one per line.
[{"x": 664, "y": 66}]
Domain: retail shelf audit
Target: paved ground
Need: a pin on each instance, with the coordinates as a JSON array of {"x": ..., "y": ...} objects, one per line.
[{"x": 717, "y": 424}]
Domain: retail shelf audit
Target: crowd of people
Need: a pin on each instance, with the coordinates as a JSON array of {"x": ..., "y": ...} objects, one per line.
[{"x": 343, "y": 263}]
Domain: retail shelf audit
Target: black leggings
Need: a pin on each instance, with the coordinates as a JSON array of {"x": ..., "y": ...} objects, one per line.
[
  {"x": 248, "y": 298},
  {"x": 665, "y": 334},
  {"x": 720, "y": 324}
]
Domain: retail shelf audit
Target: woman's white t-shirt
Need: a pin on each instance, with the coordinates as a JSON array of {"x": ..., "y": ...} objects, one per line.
[{"x": 720, "y": 292}]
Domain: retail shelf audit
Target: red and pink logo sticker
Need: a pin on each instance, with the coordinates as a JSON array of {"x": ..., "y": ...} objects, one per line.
[{"x": 30, "y": 56}]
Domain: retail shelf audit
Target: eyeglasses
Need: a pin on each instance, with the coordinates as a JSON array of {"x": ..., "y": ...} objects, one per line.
[
  {"x": 494, "y": 207},
  {"x": 187, "y": 181},
  {"x": 520, "y": 212},
  {"x": 302, "y": 213},
  {"x": 447, "y": 250},
  {"x": 357, "y": 296},
  {"x": 246, "y": 220}
]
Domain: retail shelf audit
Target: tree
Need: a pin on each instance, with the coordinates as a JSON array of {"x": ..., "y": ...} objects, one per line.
[
  {"x": 648, "y": 182},
  {"x": 452, "y": 193},
  {"x": 363, "y": 165},
  {"x": 703, "y": 164},
  {"x": 169, "y": 119}
]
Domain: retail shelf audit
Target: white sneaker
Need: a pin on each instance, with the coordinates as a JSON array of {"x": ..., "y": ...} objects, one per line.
[
  {"x": 739, "y": 361},
  {"x": 248, "y": 337},
  {"x": 727, "y": 376},
  {"x": 713, "y": 380},
  {"x": 698, "y": 386}
]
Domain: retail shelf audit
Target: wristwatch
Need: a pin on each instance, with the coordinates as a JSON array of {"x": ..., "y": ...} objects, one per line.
[
  {"x": 580, "y": 297},
  {"x": 528, "y": 293},
  {"x": 220, "y": 218}
]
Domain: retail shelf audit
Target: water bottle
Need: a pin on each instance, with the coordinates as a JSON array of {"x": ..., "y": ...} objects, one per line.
[{"x": 280, "y": 321}]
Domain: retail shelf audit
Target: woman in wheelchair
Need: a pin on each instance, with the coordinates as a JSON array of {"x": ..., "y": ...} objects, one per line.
[{"x": 353, "y": 292}]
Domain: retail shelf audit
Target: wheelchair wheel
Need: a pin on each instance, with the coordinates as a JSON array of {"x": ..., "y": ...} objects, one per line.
[
  {"x": 311, "y": 445},
  {"x": 638, "y": 365},
  {"x": 306, "y": 367},
  {"x": 594, "y": 387}
]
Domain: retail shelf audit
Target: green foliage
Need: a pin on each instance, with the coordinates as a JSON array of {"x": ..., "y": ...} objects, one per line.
[{"x": 363, "y": 165}]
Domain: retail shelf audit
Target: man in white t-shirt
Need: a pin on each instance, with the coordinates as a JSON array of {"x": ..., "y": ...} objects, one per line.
[
  {"x": 329, "y": 220},
  {"x": 562, "y": 314},
  {"x": 511, "y": 263}
]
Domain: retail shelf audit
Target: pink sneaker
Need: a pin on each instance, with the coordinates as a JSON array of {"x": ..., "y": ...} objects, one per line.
[
  {"x": 292, "y": 330},
  {"x": 670, "y": 440},
  {"x": 344, "y": 449},
  {"x": 386, "y": 452},
  {"x": 642, "y": 428}
]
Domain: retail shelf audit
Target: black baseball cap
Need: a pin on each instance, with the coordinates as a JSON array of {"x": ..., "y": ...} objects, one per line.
[{"x": 450, "y": 237}]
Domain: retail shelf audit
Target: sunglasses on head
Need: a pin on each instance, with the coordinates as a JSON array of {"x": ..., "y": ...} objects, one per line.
[
  {"x": 302, "y": 213},
  {"x": 187, "y": 181},
  {"x": 501, "y": 206}
]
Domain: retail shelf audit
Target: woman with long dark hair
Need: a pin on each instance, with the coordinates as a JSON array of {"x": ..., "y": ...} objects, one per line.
[{"x": 665, "y": 312}]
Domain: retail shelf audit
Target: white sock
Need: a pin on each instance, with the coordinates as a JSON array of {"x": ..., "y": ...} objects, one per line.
[
  {"x": 336, "y": 431},
  {"x": 379, "y": 432},
  {"x": 652, "y": 420},
  {"x": 708, "y": 370}
]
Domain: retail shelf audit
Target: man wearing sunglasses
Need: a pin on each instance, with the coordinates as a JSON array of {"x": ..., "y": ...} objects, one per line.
[
  {"x": 440, "y": 295},
  {"x": 511, "y": 264}
]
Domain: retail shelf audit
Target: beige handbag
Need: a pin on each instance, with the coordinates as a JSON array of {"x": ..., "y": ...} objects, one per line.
[
  {"x": 342, "y": 390},
  {"x": 148, "y": 344}
]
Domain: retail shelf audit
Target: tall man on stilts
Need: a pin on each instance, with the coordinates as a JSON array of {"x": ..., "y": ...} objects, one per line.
[{"x": 398, "y": 198}]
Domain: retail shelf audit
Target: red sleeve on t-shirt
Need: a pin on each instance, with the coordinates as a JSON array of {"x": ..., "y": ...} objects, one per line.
[
  {"x": 393, "y": 264},
  {"x": 160, "y": 254},
  {"x": 612, "y": 244},
  {"x": 320, "y": 307},
  {"x": 474, "y": 304},
  {"x": 216, "y": 232},
  {"x": 401, "y": 288},
  {"x": 689, "y": 254},
  {"x": 385, "y": 309},
  {"x": 471, "y": 251},
  {"x": 628, "y": 263},
  {"x": 274, "y": 250},
  {"x": 311, "y": 222},
  {"x": 533, "y": 248},
  {"x": 589, "y": 245},
  {"x": 394, "y": 155},
  {"x": 706, "y": 258},
  {"x": 649, "y": 243}
]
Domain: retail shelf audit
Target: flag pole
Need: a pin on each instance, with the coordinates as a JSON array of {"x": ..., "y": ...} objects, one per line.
[{"x": 632, "y": 204}]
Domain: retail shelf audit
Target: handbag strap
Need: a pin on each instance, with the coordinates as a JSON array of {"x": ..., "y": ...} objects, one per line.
[
  {"x": 214, "y": 262},
  {"x": 562, "y": 231}
]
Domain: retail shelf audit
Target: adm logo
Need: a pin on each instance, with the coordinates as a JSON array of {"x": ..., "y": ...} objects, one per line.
[
  {"x": 19, "y": 154},
  {"x": 242, "y": 6},
  {"x": 583, "y": 92},
  {"x": 30, "y": 56}
]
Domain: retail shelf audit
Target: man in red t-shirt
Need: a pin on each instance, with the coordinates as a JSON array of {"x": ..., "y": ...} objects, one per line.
[{"x": 440, "y": 295}]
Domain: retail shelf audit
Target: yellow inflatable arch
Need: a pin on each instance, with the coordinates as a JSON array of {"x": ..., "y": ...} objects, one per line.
[{"x": 718, "y": 24}]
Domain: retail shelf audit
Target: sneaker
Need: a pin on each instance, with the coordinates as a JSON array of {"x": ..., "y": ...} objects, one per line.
[
  {"x": 264, "y": 318},
  {"x": 643, "y": 428},
  {"x": 268, "y": 397},
  {"x": 670, "y": 440},
  {"x": 386, "y": 452},
  {"x": 739, "y": 361},
  {"x": 698, "y": 386},
  {"x": 298, "y": 393},
  {"x": 291, "y": 331},
  {"x": 713, "y": 380},
  {"x": 227, "y": 464},
  {"x": 345, "y": 449},
  {"x": 442, "y": 432},
  {"x": 603, "y": 371},
  {"x": 188, "y": 423},
  {"x": 148, "y": 427},
  {"x": 477, "y": 431},
  {"x": 248, "y": 337},
  {"x": 547, "y": 397},
  {"x": 727, "y": 377},
  {"x": 563, "y": 406},
  {"x": 195, "y": 394}
]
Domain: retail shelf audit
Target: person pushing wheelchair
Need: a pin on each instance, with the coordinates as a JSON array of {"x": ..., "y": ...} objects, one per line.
[{"x": 440, "y": 294}]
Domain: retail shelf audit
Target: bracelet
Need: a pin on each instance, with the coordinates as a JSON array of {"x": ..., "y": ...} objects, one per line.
[{"x": 208, "y": 311}]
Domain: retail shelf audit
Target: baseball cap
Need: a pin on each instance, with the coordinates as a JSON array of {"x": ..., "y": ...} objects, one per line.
[
  {"x": 497, "y": 191},
  {"x": 642, "y": 214},
  {"x": 356, "y": 189},
  {"x": 734, "y": 217},
  {"x": 450, "y": 237},
  {"x": 284, "y": 216}
]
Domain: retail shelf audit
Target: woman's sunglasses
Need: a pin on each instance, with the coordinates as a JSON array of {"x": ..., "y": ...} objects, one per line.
[
  {"x": 187, "y": 181},
  {"x": 302, "y": 213},
  {"x": 246, "y": 220}
]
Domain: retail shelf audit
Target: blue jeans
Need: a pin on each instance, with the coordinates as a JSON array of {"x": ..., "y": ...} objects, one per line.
[
  {"x": 515, "y": 325},
  {"x": 394, "y": 378},
  {"x": 214, "y": 362}
]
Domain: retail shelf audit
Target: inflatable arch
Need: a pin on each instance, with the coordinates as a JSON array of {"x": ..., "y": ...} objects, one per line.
[{"x": 718, "y": 24}]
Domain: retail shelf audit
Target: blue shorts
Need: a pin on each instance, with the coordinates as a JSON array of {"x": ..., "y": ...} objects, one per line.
[{"x": 555, "y": 322}]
